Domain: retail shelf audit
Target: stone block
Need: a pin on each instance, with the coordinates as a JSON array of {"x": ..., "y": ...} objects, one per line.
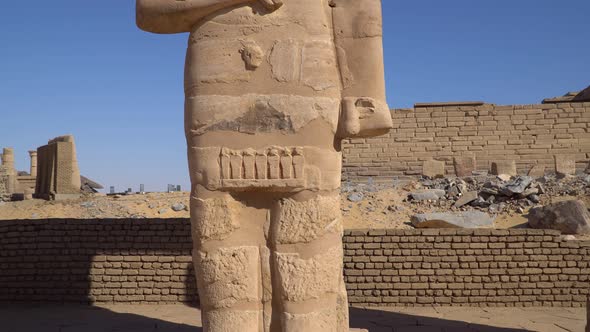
[
  {"x": 433, "y": 169},
  {"x": 229, "y": 276},
  {"x": 307, "y": 279},
  {"x": 504, "y": 167},
  {"x": 245, "y": 321},
  {"x": 315, "y": 321},
  {"x": 565, "y": 165},
  {"x": 537, "y": 171},
  {"x": 464, "y": 166}
]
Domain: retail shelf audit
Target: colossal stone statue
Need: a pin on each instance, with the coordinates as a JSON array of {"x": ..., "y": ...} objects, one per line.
[{"x": 272, "y": 87}]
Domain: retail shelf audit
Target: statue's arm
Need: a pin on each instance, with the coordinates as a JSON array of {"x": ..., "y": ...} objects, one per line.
[{"x": 175, "y": 16}]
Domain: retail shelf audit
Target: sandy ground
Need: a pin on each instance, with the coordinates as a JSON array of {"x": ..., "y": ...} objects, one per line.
[
  {"x": 386, "y": 208},
  {"x": 180, "y": 318}
]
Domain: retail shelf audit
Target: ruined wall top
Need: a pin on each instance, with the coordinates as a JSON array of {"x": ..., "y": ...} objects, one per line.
[{"x": 65, "y": 138}]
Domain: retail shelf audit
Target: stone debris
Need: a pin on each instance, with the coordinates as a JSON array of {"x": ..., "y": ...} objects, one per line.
[
  {"x": 498, "y": 194},
  {"x": 355, "y": 197},
  {"x": 427, "y": 195},
  {"x": 87, "y": 204},
  {"x": 516, "y": 186},
  {"x": 569, "y": 217},
  {"x": 467, "y": 198},
  {"x": 179, "y": 207},
  {"x": 467, "y": 219}
]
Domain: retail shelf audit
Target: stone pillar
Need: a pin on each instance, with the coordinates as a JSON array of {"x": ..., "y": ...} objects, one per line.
[
  {"x": 8, "y": 158},
  {"x": 8, "y": 163},
  {"x": 33, "y": 155}
]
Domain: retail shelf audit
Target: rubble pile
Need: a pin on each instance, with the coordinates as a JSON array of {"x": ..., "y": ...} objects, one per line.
[{"x": 497, "y": 194}]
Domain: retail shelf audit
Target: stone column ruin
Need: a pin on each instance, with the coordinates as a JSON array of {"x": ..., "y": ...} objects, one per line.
[{"x": 33, "y": 155}]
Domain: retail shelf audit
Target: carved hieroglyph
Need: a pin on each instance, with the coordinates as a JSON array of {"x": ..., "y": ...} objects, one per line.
[{"x": 271, "y": 87}]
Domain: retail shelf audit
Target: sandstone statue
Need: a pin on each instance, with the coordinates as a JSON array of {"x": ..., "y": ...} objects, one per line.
[{"x": 272, "y": 87}]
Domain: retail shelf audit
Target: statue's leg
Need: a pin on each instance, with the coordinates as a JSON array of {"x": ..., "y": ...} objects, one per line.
[
  {"x": 306, "y": 234},
  {"x": 228, "y": 240}
]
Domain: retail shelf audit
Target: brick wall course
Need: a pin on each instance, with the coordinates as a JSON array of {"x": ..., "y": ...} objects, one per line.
[
  {"x": 149, "y": 261},
  {"x": 527, "y": 134}
]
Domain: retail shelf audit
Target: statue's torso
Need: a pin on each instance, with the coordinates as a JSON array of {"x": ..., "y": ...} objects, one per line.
[
  {"x": 257, "y": 80},
  {"x": 294, "y": 43}
]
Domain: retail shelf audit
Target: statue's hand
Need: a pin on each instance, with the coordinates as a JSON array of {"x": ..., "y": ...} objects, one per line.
[
  {"x": 272, "y": 5},
  {"x": 364, "y": 117}
]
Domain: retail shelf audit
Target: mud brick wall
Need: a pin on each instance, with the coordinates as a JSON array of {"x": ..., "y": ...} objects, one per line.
[
  {"x": 84, "y": 261},
  {"x": 528, "y": 134},
  {"x": 149, "y": 261},
  {"x": 465, "y": 267}
]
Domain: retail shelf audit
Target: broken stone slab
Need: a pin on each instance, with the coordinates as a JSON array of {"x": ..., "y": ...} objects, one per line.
[
  {"x": 537, "y": 171},
  {"x": 179, "y": 207},
  {"x": 517, "y": 186},
  {"x": 464, "y": 166},
  {"x": 427, "y": 195},
  {"x": 356, "y": 197},
  {"x": 534, "y": 198},
  {"x": 433, "y": 169},
  {"x": 565, "y": 165},
  {"x": 504, "y": 177},
  {"x": 507, "y": 167},
  {"x": 467, "y": 219},
  {"x": 467, "y": 198},
  {"x": 569, "y": 217}
]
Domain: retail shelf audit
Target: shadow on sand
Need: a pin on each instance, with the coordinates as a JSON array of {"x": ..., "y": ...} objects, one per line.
[{"x": 81, "y": 318}]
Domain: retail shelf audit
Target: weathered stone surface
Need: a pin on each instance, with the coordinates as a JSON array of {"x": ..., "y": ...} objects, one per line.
[
  {"x": 504, "y": 167},
  {"x": 569, "y": 217},
  {"x": 517, "y": 186},
  {"x": 433, "y": 169},
  {"x": 468, "y": 219},
  {"x": 464, "y": 166},
  {"x": 467, "y": 198},
  {"x": 303, "y": 222},
  {"x": 271, "y": 88},
  {"x": 234, "y": 320},
  {"x": 537, "y": 171},
  {"x": 427, "y": 195},
  {"x": 213, "y": 218},
  {"x": 58, "y": 172},
  {"x": 307, "y": 279},
  {"x": 229, "y": 276},
  {"x": 316, "y": 321},
  {"x": 565, "y": 165}
]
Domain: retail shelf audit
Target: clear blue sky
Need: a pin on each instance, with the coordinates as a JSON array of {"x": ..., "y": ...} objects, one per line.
[{"x": 83, "y": 68}]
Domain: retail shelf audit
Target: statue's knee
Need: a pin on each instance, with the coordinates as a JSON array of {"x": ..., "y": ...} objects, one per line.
[
  {"x": 228, "y": 276},
  {"x": 305, "y": 279}
]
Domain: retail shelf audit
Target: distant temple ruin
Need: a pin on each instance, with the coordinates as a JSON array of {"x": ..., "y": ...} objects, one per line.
[{"x": 54, "y": 173}]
